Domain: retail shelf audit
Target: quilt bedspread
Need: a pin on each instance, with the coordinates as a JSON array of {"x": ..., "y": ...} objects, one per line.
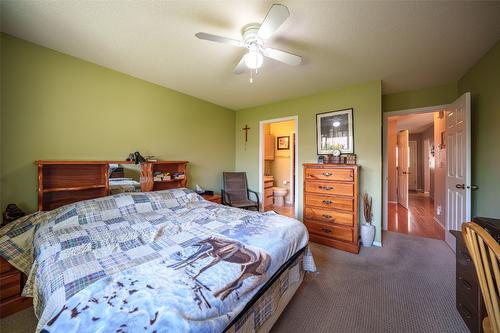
[{"x": 157, "y": 261}]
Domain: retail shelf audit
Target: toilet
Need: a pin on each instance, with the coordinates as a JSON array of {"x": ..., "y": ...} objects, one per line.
[{"x": 279, "y": 196}]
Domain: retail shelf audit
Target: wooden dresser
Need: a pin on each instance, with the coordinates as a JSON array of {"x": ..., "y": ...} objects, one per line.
[
  {"x": 11, "y": 285},
  {"x": 469, "y": 299},
  {"x": 330, "y": 205}
]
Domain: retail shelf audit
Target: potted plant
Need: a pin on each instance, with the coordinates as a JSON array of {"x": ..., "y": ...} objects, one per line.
[{"x": 367, "y": 229}]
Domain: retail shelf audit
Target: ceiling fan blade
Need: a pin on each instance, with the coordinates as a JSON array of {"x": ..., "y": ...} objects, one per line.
[
  {"x": 274, "y": 19},
  {"x": 286, "y": 57},
  {"x": 219, "y": 39},
  {"x": 241, "y": 67}
]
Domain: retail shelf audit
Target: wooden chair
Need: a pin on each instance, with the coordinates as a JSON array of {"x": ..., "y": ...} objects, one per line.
[
  {"x": 236, "y": 192},
  {"x": 485, "y": 253}
]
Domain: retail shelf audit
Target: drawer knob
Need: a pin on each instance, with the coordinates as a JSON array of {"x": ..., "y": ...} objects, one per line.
[
  {"x": 466, "y": 283},
  {"x": 327, "y": 188},
  {"x": 327, "y": 174},
  {"x": 327, "y": 202},
  {"x": 325, "y": 230},
  {"x": 327, "y": 216}
]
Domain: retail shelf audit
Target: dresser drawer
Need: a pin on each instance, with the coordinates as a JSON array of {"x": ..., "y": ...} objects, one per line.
[
  {"x": 324, "y": 201},
  {"x": 325, "y": 215},
  {"x": 268, "y": 192},
  {"x": 5, "y": 266},
  {"x": 330, "y": 188},
  {"x": 469, "y": 315},
  {"x": 330, "y": 174},
  {"x": 330, "y": 231},
  {"x": 268, "y": 184},
  {"x": 10, "y": 285},
  {"x": 469, "y": 292}
]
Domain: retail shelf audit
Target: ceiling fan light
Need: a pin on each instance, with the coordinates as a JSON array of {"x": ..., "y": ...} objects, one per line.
[{"x": 254, "y": 59}]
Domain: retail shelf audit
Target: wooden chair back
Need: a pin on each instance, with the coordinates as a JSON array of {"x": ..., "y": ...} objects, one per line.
[{"x": 485, "y": 253}]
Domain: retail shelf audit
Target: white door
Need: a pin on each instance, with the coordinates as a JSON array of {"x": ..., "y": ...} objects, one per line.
[
  {"x": 403, "y": 156},
  {"x": 458, "y": 169},
  {"x": 426, "y": 165},
  {"x": 412, "y": 166}
]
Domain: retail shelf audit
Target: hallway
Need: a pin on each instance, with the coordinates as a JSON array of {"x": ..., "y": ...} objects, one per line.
[{"x": 417, "y": 220}]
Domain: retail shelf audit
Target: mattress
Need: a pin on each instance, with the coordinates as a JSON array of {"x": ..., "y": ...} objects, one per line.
[{"x": 157, "y": 261}]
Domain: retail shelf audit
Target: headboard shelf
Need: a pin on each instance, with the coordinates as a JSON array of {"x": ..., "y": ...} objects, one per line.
[{"x": 65, "y": 182}]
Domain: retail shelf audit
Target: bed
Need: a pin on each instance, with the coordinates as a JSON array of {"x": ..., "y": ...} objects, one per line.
[{"x": 165, "y": 261}]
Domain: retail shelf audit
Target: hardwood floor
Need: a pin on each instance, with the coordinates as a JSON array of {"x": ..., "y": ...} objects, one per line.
[
  {"x": 287, "y": 210},
  {"x": 417, "y": 220}
]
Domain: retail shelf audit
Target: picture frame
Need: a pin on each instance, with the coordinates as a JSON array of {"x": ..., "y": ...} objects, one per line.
[
  {"x": 283, "y": 142},
  {"x": 335, "y": 130}
]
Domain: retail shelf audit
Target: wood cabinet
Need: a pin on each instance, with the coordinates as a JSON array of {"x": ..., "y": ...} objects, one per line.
[
  {"x": 215, "y": 198},
  {"x": 268, "y": 193},
  {"x": 148, "y": 170},
  {"x": 469, "y": 299},
  {"x": 11, "y": 285},
  {"x": 330, "y": 205},
  {"x": 269, "y": 147}
]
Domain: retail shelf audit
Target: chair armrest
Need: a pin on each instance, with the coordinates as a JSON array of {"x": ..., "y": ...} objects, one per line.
[{"x": 256, "y": 195}]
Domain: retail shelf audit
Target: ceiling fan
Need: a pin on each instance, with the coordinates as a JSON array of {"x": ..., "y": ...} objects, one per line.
[{"x": 254, "y": 37}]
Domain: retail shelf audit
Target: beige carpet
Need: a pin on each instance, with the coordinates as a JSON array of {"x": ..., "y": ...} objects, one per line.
[{"x": 406, "y": 286}]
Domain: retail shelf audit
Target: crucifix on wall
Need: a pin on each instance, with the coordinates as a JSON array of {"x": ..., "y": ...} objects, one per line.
[{"x": 246, "y": 128}]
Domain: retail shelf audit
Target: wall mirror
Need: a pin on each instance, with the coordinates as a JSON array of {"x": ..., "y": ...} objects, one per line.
[{"x": 124, "y": 178}]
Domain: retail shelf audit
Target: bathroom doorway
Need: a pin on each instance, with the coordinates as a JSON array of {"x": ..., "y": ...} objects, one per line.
[{"x": 278, "y": 159}]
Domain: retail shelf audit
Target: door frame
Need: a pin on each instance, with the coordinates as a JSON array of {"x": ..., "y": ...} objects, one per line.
[
  {"x": 385, "y": 173},
  {"x": 261, "y": 156}
]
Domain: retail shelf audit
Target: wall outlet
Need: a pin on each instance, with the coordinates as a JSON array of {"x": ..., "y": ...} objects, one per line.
[{"x": 438, "y": 210}]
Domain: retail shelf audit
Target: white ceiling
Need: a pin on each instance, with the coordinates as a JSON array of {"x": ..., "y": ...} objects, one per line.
[
  {"x": 414, "y": 123},
  {"x": 408, "y": 45}
]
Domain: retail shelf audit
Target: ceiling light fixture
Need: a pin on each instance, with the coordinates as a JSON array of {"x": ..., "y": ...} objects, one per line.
[
  {"x": 254, "y": 58},
  {"x": 336, "y": 123}
]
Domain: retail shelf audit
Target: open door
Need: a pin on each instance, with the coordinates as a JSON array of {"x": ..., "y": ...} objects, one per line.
[
  {"x": 403, "y": 157},
  {"x": 458, "y": 161},
  {"x": 412, "y": 166}
]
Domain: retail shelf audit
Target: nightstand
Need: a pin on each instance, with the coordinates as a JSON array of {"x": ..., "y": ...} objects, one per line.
[
  {"x": 11, "y": 284},
  {"x": 213, "y": 198}
]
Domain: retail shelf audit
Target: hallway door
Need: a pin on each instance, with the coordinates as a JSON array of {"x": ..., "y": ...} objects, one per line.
[
  {"x": 403, "y": 156},
  {"x": 412, "y": 166},
  {"x": 458, "y": 165}
]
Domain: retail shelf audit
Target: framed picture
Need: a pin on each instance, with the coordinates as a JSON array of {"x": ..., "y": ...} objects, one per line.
[
  {"x": 283, "y": 142},
  {"x": 334, "y": 130}
]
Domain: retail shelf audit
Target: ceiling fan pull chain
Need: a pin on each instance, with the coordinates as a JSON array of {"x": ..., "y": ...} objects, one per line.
[{"x": 251, "y": 77}]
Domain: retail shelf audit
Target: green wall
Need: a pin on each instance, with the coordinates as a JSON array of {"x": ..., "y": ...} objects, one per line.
[
  {"x": 483, "y": 81},
  {"x": 365, "y": 99},
  {"x": 420, "y": 98},
  {"x": 54, "y": 106}
]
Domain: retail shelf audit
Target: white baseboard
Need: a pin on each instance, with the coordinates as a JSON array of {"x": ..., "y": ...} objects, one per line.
[
  {"x": 377, "y": 244},
  {"x": 439, "y": 222}
]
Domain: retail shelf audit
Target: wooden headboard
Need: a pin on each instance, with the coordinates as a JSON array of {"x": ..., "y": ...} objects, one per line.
[{"x": 64, "y": 182}]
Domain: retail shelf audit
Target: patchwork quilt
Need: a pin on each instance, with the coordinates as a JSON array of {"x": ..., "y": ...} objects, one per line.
[{"x": 151, "y": 262}]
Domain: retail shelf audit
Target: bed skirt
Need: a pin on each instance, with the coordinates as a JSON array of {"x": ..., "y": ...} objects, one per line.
[{"x": 266, "y": 307}]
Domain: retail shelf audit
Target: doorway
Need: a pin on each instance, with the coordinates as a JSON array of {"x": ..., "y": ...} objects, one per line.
[
  {"x": 443, "y": 183},
  {"x": 278, "y": 158}
]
